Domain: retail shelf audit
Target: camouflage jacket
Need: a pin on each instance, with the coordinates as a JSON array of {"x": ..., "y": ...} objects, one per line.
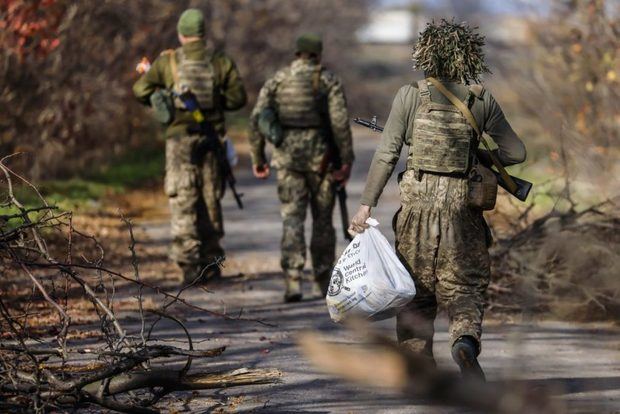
[
  {"x": 398, "y": 131},
  {"x": 231, "y": 92},
  {"x": 304, "y": 149}
]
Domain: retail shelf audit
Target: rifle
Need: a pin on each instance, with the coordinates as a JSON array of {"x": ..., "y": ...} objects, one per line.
[
  {"x": 523, "y": 187},
  {"x": 332, "y": 157},
  {"x": 213, "y": 139}
]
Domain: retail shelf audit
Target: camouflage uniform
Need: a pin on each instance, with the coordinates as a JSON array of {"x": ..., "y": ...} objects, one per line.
[
  {"x": 303, "y": 179},
  {"x": 193, "y": 181},
  {"x": 440, "y": 239}
]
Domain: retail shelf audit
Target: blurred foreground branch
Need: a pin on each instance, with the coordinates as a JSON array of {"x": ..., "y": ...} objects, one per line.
[{"x": 43, "y": 366}]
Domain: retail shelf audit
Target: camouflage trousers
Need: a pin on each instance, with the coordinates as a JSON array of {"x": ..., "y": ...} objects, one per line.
[
  {"x": 444, "y": 245},
  {"x": 297, "y": 190},
  {"x": 193, "y": 185}
]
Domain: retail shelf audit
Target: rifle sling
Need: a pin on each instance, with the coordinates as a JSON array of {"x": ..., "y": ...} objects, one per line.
[{"x": 512, "y": 186}]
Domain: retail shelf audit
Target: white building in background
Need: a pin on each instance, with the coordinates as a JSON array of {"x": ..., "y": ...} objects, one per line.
[
  {"x": 389, "y": 26},
  {"x": 401, "y": 25}
]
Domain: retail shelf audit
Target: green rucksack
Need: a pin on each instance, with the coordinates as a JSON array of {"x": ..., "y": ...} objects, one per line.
[
  {"x": 269, "y": 126},
  {"x": 163, "y": 106}
]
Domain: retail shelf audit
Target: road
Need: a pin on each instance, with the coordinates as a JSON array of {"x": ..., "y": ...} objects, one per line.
[{"x": 581, "y": 362}]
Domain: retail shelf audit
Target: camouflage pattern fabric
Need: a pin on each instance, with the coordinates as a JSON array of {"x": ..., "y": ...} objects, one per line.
[
  {"x": 230, "y": 93},
  {"x": 303, "y": 149},
  {"x": 199, "y": 76},
  {"x": 295, "y": 96},
  {"x": 193, "y": 184},
  {"x": 443, "y": 137},
  {"x": 297, "y": 190},
  {"x": 443, "y": 243}
]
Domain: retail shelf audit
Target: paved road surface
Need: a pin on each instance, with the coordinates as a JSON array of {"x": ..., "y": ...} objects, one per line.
[{"x": 581, "y": 361}]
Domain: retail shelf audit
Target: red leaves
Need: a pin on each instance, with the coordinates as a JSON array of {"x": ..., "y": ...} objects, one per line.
[{"x": 30, "y": 26}]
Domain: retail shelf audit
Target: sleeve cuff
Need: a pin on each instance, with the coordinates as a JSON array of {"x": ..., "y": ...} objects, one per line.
[
  {"x": 368, "y": 202},
  {"x": 258, "y": 159}
]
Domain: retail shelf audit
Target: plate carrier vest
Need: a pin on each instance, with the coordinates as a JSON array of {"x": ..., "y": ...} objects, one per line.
[
  {"x": 442, "y": 139},
  {"x": 199, "y": 76},
  {"x": 296, "y": 98}
]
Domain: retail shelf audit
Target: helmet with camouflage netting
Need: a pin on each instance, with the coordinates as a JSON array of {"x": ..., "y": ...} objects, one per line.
[{"x": 450, "y": 50}]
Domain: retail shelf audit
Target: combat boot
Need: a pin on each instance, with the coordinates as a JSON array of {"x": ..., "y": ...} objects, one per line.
[
  {"x": 316, "y": 292},
  {"x": 206, "y": 273},
  {"x": 320, "y": 286},
  {"x": 190, "y": 272},
  {"x": 292, "y": 279},
  {"x": 465, "y": 353}
]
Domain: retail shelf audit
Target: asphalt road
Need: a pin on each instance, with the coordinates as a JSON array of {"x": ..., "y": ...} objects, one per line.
[{"x": 580, "y": 362}]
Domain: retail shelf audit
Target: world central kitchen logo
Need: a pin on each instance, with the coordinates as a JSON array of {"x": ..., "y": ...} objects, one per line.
[{"x": 335, "y": 284}]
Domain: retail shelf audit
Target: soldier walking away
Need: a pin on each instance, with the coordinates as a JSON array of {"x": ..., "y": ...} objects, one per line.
[
  {"x": 194, "y": 181},
  {"x": 441, "y": 235},
  {"x": 302, "y": 111}
]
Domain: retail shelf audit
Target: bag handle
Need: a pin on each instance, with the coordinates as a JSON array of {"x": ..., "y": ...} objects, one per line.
[{"x": 512, "y": 186}]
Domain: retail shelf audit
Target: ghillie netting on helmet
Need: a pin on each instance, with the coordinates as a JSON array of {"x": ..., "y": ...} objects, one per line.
[{"x": 450, "y": 50}]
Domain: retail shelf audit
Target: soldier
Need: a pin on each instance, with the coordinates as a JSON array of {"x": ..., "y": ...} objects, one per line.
[
  {"x": 441, "y": 237},
  {"x": 308, "y": 103},
  {"x": 193, "y": 182}
]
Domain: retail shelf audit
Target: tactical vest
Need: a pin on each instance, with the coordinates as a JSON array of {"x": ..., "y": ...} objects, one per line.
[
  {"x": 442, "y": 140},
  {"x": 297, "y": 99},
  {"x": 199, "y": 76}
]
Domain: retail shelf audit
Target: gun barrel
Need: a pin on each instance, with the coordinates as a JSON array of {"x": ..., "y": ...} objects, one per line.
[
  {"x": 341, "y": 191},
  {"x": 368, "y": 124}
]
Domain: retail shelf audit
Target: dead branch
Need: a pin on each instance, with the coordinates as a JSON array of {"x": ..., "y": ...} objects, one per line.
[{"x": 40, "y": 372}]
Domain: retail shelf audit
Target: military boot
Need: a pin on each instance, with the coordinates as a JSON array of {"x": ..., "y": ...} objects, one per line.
[
  {"x": 206, "y": 273},
  {"x": 320, "y": 285},
  {"x": 190, "y": 272},
  {"x": 465, "y": 353},
  {"x": 316, "y": 292},
  {"x": 292, "y": 279}
]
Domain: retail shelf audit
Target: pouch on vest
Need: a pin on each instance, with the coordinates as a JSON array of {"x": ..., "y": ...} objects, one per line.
[
  {"x": 482, "y": 187},
  {"x": 163, "y": 106},
  {"x": 269, "y": 127}
]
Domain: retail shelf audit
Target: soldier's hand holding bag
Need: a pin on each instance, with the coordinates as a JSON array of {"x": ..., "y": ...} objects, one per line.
[{"x": 369, "y": 281}]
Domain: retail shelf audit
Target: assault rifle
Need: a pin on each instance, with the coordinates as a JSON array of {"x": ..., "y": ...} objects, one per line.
[
  {"x": 205, "y": 128},
  {"x": 333, "y": 157},
  {"x": 523, "y": 187}
]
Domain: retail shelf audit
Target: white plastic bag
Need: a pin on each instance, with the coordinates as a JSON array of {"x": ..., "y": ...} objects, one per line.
[{"x": 369, "y": 280}]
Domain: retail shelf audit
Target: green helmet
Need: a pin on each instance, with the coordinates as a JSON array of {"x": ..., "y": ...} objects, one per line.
[
  {"x": 191, "y": 23},
  {"x": 450, "y": 50},
  {"x": 309, "y": 43}
]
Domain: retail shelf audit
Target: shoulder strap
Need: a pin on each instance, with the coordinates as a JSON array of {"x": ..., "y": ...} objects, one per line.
[
  {"x": 316, "y": 80},
  {"x": 472, "y": 121},
  {"x": 172, "y": 54},
  {"x": 477, "y": 90},
  {"x": 217, "y": 68},
  {"x": 174, "y": 67},
  {"x": 425, "y": 93}
]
